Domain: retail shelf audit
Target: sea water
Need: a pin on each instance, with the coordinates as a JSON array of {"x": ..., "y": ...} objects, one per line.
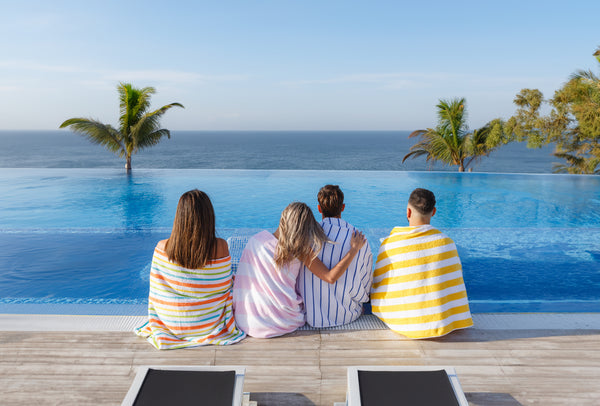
[{"x": 323, "y": 150}]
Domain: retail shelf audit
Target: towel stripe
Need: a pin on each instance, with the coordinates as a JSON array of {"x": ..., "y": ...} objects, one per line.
[
  {"x": 188, "y": 307},
  {"x": 339, "y": 303},
  {"x": 418, "y": 289}
]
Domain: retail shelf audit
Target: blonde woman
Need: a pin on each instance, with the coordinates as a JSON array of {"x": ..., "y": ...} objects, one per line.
[
  {"x": 266, "y": 303},
  {"x": 190, "y": 301}
]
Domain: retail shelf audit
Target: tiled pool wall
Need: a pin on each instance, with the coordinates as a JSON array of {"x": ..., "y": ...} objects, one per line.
[{"x": 505, "y": 270}]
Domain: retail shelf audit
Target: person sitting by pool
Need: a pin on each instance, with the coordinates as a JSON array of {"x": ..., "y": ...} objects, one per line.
[
  {"x": 265, "y": 300},
  {"x": 418, "y": 287},
  {"x": 334, "y": 304},
  {"x": 190, "y": 301}
]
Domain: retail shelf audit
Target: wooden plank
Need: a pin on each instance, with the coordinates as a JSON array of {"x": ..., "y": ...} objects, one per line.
[
  {"x": 494, "y": 367},
  {"x": 270, "y": 357}
]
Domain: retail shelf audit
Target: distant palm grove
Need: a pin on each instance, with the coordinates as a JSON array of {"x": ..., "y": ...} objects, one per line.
[
  {"x": 138, "y": 128},
  {"x": 573, "y": 125}
]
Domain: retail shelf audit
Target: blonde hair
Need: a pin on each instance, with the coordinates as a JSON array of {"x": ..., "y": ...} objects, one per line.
[
  {"x": 300, "y": 236},
  {"x": 193, "y": 240}
]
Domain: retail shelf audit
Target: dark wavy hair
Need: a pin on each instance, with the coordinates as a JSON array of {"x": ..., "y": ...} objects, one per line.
[{"x": 193, "y": 240}]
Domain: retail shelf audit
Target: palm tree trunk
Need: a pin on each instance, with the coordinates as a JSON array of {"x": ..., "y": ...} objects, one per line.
[
  {"x": 461, "y": 167},
  {"x": 128, "y": 163}
]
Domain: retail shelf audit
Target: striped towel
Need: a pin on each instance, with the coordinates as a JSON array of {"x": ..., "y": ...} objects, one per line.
[
  {"x": 418, "y": 288},
  {"x": 341, "y": 302},
  {"x": 189, "y": 307},
  {"x": 265, "y": 300}
]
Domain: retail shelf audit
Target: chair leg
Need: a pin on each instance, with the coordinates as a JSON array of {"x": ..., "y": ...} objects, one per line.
[{"x": 246, "y": 400}]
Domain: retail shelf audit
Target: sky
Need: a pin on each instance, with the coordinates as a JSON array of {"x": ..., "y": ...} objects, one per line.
[{"x": 287, "y": 65}]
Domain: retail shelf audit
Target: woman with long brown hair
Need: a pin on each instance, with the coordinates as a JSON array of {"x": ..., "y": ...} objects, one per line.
[
  {"x": 190, "y": 301},
  {"x": 266, "y": 303}
]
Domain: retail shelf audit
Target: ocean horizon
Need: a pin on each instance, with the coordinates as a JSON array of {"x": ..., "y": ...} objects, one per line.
[{"x": 304, "y": 150}]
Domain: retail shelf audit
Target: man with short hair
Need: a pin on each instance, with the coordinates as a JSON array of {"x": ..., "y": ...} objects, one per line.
[
  {"x": 418, "y": 288},
  {"x": 341, "y": 302}
]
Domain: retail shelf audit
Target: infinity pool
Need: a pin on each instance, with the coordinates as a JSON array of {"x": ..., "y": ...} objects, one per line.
[{"x": 80, "y": 240}]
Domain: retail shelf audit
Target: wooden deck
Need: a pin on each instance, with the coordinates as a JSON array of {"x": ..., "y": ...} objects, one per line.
[{"x": 495, "y": 367}]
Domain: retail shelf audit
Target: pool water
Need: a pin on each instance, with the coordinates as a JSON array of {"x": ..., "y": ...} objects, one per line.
[{"x": 85, "y": 236}]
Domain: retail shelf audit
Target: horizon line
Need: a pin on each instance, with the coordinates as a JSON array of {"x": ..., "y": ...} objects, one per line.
[{"x": 221, "y": 130}]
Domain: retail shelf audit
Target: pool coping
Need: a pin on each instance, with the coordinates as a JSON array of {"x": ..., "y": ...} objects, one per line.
[{"x": 482, "y": 321}]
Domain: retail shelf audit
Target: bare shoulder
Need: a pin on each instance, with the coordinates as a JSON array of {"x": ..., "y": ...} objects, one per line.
[
  {"x": 162, "y": 245},
  {"x": 222, "y": 248}
]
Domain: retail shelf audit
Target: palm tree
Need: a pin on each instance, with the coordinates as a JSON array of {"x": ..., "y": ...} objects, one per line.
[
  {"x": 451, "y": 142},
  {"x": 576, "y": 164},
  {"x": 138, "y": 129}
]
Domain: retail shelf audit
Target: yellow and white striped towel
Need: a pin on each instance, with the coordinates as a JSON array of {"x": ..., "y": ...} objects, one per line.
[{"x": 418, "y": 288}]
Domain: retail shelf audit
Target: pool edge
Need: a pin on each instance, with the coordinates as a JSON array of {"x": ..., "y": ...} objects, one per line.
[{"x": 482, "y": 321}]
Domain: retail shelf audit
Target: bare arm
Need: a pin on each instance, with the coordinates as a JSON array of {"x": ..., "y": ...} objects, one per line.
[
  {"x": 330, "y": 276},
  {"x": 222, "y": 250}
]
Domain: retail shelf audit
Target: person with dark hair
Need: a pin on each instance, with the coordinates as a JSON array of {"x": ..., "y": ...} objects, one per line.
[
  {"x": 341, "y": 302},
  {"x": 423, "y": 201},
  {"x": 418, "y": 288},
  {"x": 331, "y": 201},
  {"x": 190, "y": 301},
  {"x": 265, "y": 300}
]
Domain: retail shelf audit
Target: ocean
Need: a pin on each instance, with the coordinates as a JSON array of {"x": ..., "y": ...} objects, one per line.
[{"x": 326, "y": 150}]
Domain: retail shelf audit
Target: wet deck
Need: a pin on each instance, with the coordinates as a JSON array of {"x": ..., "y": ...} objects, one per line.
[{"x": 495, "y": 366}]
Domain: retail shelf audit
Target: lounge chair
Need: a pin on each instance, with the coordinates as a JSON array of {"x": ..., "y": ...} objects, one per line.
[
  {"x": 197, "y": 385},
  {"x": 404, "y": 385}
]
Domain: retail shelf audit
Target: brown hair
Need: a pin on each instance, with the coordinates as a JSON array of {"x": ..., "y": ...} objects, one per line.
[
  {"x": 193, "y": 240},
  {"x": 300, "y": 236},
  {"x": 422, "y": 200},
  {"x": 331, "y": 200}
]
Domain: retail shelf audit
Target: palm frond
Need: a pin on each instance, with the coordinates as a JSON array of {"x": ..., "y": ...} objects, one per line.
[
  {"x": 452, "y": 118},
  {"x": 576, "y": 164},
  {"x": 482, "y": 142},
  {"x": 442, "y": 149},
  {"x": 133, "y": 104},
  {"x": 432, "y": 145},
  {"x": 164, "y": 108},
  {"x": 560, "y": 168},
  {"x": 97, "y": 133},
  {"x": 593, "y": 166},
  {"x": 143, "y": 133},
  {"x": 585, "y": 75},
  {"x": 152, "y": 138},
  {"x": 418, "y": 133},
  {"x": 142, "y": 102},
  {"x": 415, "y": 154}
]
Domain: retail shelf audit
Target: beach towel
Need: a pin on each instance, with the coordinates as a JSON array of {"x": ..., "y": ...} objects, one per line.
[
  {"x": 341, "y": 302},
  {"x": 265, "y": 300},
  {"x": 189, "y": 307},
  {"x": 418, "y": 288}
]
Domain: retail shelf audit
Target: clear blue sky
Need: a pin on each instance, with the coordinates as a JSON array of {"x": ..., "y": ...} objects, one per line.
[{"x": 287, "y": 65}]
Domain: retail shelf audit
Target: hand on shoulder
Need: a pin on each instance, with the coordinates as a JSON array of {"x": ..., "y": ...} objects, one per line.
[{"x": 358, "y": 240}]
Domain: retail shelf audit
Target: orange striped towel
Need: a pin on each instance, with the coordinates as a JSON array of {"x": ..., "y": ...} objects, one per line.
[{"x": 189, "y": 307}]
